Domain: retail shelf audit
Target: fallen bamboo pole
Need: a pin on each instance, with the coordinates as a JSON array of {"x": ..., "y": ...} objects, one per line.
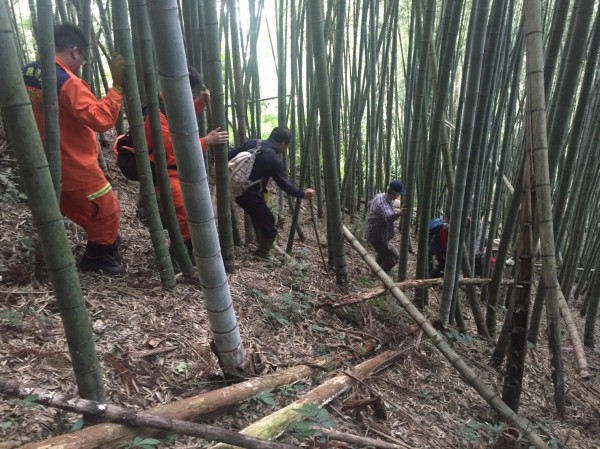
[
  {"x": 134, "y": 418},
  {"x": 470, "y": 376},
  {"x": 110, "y": 435},
  {"x": 406, "y": 285},
  {"x": 275, "y": 424}
]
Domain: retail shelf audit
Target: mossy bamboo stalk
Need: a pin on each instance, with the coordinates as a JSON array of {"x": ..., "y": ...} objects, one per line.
[{"x": 23, "y": 133}]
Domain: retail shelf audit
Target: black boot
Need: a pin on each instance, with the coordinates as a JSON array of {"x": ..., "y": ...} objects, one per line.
[
  {"x": 174, "y": 260},
  {"x": 102, "y": 258}
]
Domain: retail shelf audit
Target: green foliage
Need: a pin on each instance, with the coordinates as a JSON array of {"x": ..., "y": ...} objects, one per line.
[
  {"x": 425, "y": 394},
  {"x": 386, "y": 308},
  {"x": 266, "y": 397},
  {"x": 277, "y": 318},
  {"x": 29, "y": 401},
  {"x": 292, "y": 390},
  {"x": 182, "y": 367},
  {"x": 313, "y": 417},
  {"x": 11, "y": 319},
  {"x": 469, "y": 431},
  {"x": 456, "y": 337},
  {"x": 77, "y": 425},
  {"x": 363, "y": 281},
  {"x": 322, "y": 349},
  {"x": 143, "y": 443},
  {"x": 7, "y": 425}
]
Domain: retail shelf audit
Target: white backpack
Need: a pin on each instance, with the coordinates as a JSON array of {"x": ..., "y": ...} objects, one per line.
[{"x": 240, "y": 168}]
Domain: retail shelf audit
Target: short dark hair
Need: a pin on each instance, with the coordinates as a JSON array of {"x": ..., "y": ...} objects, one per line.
[
  {"x": 281, "y": 134},
  {"x": 67, "y": 35},
  {"x": 196, "y": 78}
]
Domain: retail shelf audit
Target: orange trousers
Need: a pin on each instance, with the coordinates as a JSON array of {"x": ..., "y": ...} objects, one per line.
[
  {"x": 178, "y": 203},
  {"x": 100, "y": 216}
]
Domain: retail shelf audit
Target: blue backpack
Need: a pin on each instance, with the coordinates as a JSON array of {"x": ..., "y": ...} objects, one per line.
[{"x": 435, "y": 227}]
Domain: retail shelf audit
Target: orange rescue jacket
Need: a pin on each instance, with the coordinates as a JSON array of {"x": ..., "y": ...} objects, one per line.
[{"x": 81, "y": 116}]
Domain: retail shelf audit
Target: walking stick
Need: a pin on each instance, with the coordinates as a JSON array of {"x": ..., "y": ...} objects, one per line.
[{"x": 312, "y": 215}]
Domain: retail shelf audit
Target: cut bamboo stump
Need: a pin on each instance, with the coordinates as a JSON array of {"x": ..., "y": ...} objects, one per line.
[
  {"x": 275, "y": 424},
  {"x": 134, "y": 418}
]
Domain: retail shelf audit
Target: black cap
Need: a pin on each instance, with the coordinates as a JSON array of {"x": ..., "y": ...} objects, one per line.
[{"x": 397, "y": 186}]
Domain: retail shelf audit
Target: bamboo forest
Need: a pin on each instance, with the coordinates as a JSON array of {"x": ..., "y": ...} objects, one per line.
[{"x": 311, "y": 224}]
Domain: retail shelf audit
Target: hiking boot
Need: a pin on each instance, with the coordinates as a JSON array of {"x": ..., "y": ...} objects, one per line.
[
  {"x": 265, "y": 245},
  {"x": 102, "y": 258}
]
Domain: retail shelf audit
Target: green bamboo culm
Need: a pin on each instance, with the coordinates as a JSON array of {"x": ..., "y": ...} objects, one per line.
[
  {"x": 213, "y": 67},
  {"x": 173, "y": 74},
  {"x": 50, "y": 95},
  {"x": 332, "y": 185},
  {"x": 158, "y": 147},
  {"x": 136, "y": 123},
  {"x": 35, "y": 174}
]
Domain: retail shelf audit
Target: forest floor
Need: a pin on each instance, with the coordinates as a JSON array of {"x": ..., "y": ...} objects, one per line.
[{"x": 427, "y": 402}]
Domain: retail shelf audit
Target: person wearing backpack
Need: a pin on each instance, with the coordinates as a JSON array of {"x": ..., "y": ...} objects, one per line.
[
  {"x": 86, "y": 196},
  {"x": 268, "y": 163},
  {"x": 384, "y": 210},
  {"x": 214, "y": 137},
  {"x": 438, "y": 242}
]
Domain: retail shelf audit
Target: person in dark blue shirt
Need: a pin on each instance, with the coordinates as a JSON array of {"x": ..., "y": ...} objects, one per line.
[{"x": 268, "y": 164}]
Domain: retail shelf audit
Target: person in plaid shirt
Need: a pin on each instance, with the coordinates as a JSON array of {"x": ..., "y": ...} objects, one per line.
[{"x": 384, "y": 210}]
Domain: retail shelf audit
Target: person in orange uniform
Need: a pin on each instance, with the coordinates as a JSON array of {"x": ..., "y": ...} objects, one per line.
[
  {"x": 216, "y": 136},
  {"x": 86, "y": 196}
]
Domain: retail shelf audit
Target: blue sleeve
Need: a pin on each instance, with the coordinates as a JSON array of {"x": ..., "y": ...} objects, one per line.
[{"x": 280, "y": 177}]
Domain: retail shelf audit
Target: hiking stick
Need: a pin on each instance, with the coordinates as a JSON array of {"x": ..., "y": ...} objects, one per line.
[{"x": 314, "y": 221}]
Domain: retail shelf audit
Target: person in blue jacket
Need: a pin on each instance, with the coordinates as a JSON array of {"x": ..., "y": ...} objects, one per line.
[{"x": 268, "y": 164}]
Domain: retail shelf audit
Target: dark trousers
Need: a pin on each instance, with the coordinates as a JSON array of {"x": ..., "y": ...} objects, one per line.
[
  {"x": 387, "y": 255},
  {"x": 262, "y": 217}
]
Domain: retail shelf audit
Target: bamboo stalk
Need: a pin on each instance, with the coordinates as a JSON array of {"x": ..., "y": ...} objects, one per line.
[
  {"x": 275, "y": 424},
  {"x": 133, "y": 418}
]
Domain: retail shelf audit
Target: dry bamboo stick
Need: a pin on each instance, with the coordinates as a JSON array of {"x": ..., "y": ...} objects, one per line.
[
  {"x": 134, "y": 418},
  {"x": 275, "y": 424},
  {"x": 470, "y": 376},
  {"x": 364, "y": 441},
  {"x": 405, "y": 285}
]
